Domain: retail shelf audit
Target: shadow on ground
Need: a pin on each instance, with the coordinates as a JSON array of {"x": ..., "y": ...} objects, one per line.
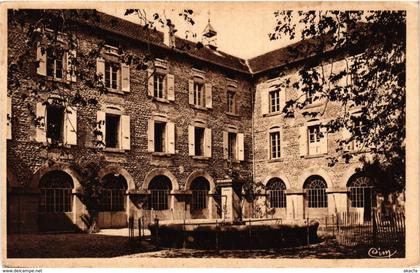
[{"x": 80, "y": 245}]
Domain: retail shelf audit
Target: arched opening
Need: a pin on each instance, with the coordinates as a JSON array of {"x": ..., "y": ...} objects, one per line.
[
  {"x": 316, "y": 199},
  {"x": 200, "y": 187},
  {"x": 361, "y": 195},
  {"x": 56, "y": 202},
  {"x": 113, "y": 200},
  {"x": 160, "y": 187},
  {"x": 113, "y": 192},
  {"x": 276, "y": 193}
]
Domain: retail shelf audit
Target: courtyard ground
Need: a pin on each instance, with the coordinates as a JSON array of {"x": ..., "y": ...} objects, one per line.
[{"x": 115, "y": 243}]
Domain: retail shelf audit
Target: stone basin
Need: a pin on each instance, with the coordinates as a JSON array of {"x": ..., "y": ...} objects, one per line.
[{"x": 234, "y": 236}]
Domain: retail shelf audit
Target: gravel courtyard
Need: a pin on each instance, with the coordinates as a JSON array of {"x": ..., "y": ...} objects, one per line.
[{"x": 115, "y": 243}]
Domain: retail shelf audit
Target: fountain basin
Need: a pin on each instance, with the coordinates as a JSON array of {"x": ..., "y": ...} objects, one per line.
[{"x": 234, "y": 236}]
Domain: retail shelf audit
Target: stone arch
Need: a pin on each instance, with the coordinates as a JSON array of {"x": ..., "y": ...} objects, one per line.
[
  {"x": 56, "y": 167},
  {"x": 353, "y": 170},
  {"x": 11, "y": 179},
  {"x": 160, "y": 171},
  {"x": 314, "y": 171},
  {"x": 199, "y": 173},
  {"x": 121, "y": 171},
  {"x": 280, "y": 176}
]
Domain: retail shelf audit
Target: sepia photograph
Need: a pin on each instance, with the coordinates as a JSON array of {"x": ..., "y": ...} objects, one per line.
[{"x": 194, "y": 131}]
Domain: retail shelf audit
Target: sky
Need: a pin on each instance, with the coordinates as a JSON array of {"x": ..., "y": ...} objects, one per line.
[{"x": 242, "y": 31}]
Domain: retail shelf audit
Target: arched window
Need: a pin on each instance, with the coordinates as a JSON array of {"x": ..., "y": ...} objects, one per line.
[
  {"x": 113, "y": 192},
  {"x": 199, "y": 188},
  {"x": 55, "y": 192},
  {"x": 315, "y": 192},
  {"x": 160, "y": 187},
  {"x": 360, "y": 191},
  {"x": 276, "y": 194}
]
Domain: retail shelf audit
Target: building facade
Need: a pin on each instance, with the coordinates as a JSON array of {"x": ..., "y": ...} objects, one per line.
[{"x": 174, "y": 141}]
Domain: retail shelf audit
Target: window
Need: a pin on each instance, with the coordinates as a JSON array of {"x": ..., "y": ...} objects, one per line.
[
  {"x": 113, "y": 129},
  {"x": 316, "y": 196},
  {"x": 160, "y": 135},
  {"x": 113, "y": 192},
  {"x": 199, "y": 141},
  {"x": 159, "y": 187},
  {"x": 112, "y": 132},
  {"x": 199, "y": 189},
  {"x": 360, "y": 192},
  {"x": 158, "y": 85},
  {"x": 314, "y": 140},
  {"x": 55, "y": 123},
  {"x": 56, "y": 192},
  {"x": 232, "y": 146},
  {"x": 274, "y": 101},
  {"x": 112, "y": 74},
  {"x": 231, "y": 102},
  {"x": 199, "y": 99},
  {"x": 276, "y": 193},
  {"x": 360, "y": 131},
  {"x": 275, "y": 145},
  {"x": 200, "y": 93},
  {"x": 55, "y": 60}
]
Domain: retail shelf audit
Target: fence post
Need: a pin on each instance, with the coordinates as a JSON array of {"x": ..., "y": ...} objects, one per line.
[
  {"x": 157, "y": 232},
  {"x": 249, "y": 234},
  {"x": 217, "y": 235},
  {"x": 139, "y": 228},
  {"x": 332, "y": 221},
  {"x": 307, "y": 231},
  {"x": 374, "y": 227}
]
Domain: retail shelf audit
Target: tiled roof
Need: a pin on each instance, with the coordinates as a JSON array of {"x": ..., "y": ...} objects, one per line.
[
  {"x": 264, "y": 62},
  {"x": 138, "y": 32}
]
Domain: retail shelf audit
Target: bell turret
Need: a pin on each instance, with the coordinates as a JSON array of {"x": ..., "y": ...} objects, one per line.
[{"x": 209, "y": 38}]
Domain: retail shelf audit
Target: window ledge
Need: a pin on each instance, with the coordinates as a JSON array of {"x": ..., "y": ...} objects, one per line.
[
  {"x": 273, "y": 114},
  {"x": 200, "y": 157},
  {"x": 235, "y": 161},
  {"x": 115, "y": 91},
  {"x": 314, "y": 156},
  {"x": 161, "y": 154},
  {"x": 160, "y": 100},
  {"x": 199, "y": 107},
  {"x": 232, "y": 114},
  {"x": 114, "y": 150},
  {"x": 272, "y": 160},
  {"x": 52, "y": 79}
]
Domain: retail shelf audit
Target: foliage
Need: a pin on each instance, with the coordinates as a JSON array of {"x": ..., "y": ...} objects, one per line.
[{"x": 372, "y": 45}]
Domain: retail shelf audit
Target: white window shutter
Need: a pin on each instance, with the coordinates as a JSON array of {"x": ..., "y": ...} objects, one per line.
[
  {"x": 225, "y": 145},
  {"x": 207, "y": 142},
  {"x": 170, "y": 85},
  {"x": 70, "y": 69},
  {"x": 170, "y": 129},
  {"x": 264, "y": 99},
  {"x": 125, "y": 77},
  {"x": 191, "y": 91},
  {"x": 281, "y": 143},
  {"x": 100, "y": 68},
  {"x": 42, "y": 58},
  {"x": 150, "y": 135},
  {"x": 9, "y": 118},
  {"x": 125, "y": 132},
  {"x": 100, "y": 126},
  {"x": 324, "y": 140},
  {"x": 282, "y": 99},
  {"x": 209, "y": 95},
  {"x": 41, "y": 132},
  {"x": 191, "y": 140},
  {"x": 303, "y": 141},
  {"x": 70, "y": 126},
  {"x": 240, "y": 146},
  {"x": 150, "y": 83}
]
